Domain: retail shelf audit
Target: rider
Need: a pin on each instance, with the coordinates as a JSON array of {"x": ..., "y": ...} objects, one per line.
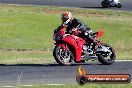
[{"x": 73, "y": 23}]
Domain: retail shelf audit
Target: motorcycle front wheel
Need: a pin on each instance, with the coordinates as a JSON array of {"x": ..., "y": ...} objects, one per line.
[
  {"x": 109, "y": 58},
  {"x": 63, "y": 57},
  {"x": 104, "y": 4}
]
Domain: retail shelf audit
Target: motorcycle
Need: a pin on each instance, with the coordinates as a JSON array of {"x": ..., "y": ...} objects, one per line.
[
  {"x": 70, "y": 49},
  {"x": 112, "y": 3}
]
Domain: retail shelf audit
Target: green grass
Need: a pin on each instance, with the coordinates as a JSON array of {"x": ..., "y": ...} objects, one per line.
[
  {"x": 86, "y": 86},
  {"x": 26, "y": 57},
  {"x": 31, "y": 28}
]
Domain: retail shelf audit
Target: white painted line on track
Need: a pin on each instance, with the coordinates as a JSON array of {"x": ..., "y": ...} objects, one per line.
[
  {"x": 27, "y": 85},
  {"x": 6, "y": 86}
]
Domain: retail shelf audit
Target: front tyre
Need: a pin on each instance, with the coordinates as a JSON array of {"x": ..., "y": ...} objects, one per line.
[
  {"x": 107, "y": 58},
  {"x": 63, "y": 57}
]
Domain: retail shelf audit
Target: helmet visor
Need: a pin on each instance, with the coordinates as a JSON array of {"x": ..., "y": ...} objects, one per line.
[{"x": 64, "y": 19}]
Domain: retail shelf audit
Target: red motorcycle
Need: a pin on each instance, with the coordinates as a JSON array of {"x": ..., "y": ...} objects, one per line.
[{"x": 70, "y": 49}]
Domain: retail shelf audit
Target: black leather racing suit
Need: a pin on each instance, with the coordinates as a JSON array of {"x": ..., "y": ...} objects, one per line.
[{"x": 86, "y": 32}]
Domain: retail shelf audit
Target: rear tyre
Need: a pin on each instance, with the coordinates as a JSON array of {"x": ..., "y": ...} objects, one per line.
[
  {"x": 119, "y": 5},
  {"x": 63, "y": 57},
  {"x": 107, "y": 60}
]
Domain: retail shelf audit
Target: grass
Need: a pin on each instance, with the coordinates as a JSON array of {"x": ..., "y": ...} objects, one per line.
[
  {"x": 26, "y": 57},
  {"x": 30, "y": 28},
  {"x": 85, "y": 86}
]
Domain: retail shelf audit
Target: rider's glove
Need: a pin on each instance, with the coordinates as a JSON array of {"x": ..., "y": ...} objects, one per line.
[{"x": 74, "y": 29}]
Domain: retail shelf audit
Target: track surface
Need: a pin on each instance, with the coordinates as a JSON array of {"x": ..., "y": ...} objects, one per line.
[
  {"x": 11, "y": 75},
  {"x": 93, "y": 4}
]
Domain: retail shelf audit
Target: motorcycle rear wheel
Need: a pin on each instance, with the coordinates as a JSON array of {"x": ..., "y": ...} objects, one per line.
[
  {"x": 103, "y": 59},
  {"x": 119, "y": 5},
  {"x": 60, "y": 58}
]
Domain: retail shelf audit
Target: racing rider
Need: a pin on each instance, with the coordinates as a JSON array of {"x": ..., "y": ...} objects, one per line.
[{"x": 73, "y": 24}]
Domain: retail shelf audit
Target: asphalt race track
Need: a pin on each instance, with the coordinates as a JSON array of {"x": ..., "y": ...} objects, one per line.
[
  {"x": 93, "y": 4},
  {"x": 13, "y": 75},
  {"x": 32, "y": 74}
]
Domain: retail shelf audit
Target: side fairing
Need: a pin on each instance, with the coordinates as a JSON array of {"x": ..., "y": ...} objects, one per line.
[{"x": 76, "y": 43}]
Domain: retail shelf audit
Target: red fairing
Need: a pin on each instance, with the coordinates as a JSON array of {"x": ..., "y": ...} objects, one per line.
[
  {"x": 100, "y": 33},
  {"x": 77, "y": 43},
  {"x": 60, "y": 33}
]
